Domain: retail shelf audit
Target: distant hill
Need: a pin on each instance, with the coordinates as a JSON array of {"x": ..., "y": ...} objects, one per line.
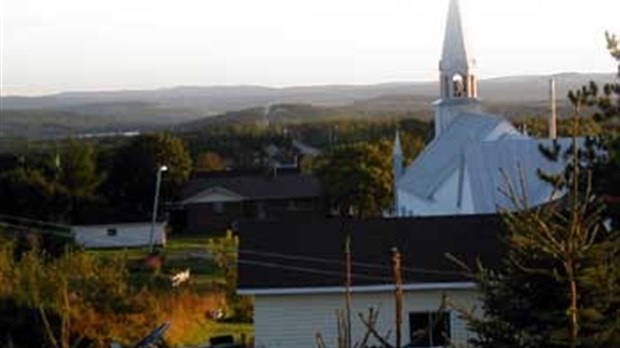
[
  {"x": 218, "y": 99},
  {"x": 72, "y": 113}
]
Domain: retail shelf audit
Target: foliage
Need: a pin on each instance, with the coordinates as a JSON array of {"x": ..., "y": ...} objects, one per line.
[
  {"x": 539, "y": 126},
  {"x": 209, "y": 161},
  {"x": 358, "y": 178},
  {"x": 241, "y": 144},
  {"x": 554, "y": 257},
  {"x": 79, "y": 298},
  {"x": 132, "y": 177},
  {"x": 57, "y": 187},
  {"x": 225, "y": 254},
  {"x": 411, "y": 145}
]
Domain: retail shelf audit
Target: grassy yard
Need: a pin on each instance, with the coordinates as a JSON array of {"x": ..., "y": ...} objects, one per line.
[{"x": 181, "y": 253}]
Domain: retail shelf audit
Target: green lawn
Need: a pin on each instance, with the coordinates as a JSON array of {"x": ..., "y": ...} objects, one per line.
[
  {"x": 181, "y": 252},
  {"x": 186, "y": 242}
]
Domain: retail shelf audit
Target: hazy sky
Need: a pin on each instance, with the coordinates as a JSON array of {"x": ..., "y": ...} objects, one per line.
[{"x": 59, "y": 45}]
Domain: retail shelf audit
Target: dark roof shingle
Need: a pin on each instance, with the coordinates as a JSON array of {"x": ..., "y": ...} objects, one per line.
[
  {"x": 259, "y": 187},
  {"x": 310, "y": 254}
]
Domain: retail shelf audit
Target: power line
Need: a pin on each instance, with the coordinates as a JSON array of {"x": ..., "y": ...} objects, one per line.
[
  {"x": 310, "y": 270},
  {"x": 358, "y": 264}
]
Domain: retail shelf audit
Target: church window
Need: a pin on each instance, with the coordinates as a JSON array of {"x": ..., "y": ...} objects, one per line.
[{"x": 459, "y": 86}]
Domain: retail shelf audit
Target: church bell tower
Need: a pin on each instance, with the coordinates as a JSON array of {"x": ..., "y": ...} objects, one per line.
[
  {"x": 457, "y": 67},
  {"x": 458, "y": 82}
]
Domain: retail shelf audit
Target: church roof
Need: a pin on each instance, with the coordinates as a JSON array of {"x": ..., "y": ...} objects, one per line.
[
  {"x": 494, "y": 156},
  {"x": 443, "y": 155},
  {"x": 495, "y": 166},
  {"x": 456, "y": 55}
]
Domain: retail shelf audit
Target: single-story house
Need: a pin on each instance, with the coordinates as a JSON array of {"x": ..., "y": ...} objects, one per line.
[
  {"x": 295, "y": 271},
  {"x": 217, "y": 201},
  {"x": 119, "y": 235}
]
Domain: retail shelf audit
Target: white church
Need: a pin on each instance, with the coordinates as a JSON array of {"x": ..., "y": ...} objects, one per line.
[{"x": 475, "y": 157}]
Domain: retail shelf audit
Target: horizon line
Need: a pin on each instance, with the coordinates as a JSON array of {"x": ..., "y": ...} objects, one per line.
[{"x": 279, "y": 87}]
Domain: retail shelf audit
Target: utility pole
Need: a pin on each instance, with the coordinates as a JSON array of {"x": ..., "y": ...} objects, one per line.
[
  {"x": 398, "y": 280},
  {"x": 160, "y": 170},
  {"x": 348, "y": 292}
]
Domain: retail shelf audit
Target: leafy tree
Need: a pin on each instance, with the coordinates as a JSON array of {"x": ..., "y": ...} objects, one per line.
[
  {"x": 132, "y": 177},
  {"x": 209, "y": 161},
  {"x": 412, "y": 145},
  {"x": 60, "y": 302},
  {"x": 358, "y": 178},
  {"x": 79, "y": 178},
  {"x": 29, "y": 193},
  {"x": 57, "y": 187}
]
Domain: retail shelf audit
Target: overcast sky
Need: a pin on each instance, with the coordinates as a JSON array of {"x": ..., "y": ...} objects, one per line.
[{"x": 50, "y": 46}]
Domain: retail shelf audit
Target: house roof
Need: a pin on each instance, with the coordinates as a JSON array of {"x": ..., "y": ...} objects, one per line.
[
  {"x": 309, "y": 255},
  {"x": 252, "y": 187}
]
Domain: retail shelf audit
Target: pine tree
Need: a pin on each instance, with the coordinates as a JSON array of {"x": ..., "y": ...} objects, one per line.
[{"x": 559, "y": 284}]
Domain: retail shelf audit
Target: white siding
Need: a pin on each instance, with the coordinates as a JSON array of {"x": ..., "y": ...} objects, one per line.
[
  {"x": 292, "y": 321},
  {"x": 127, "y": 235}
]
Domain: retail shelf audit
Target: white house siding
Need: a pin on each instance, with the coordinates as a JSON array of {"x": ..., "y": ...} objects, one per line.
[
  {"x": 127, "y": 235},
  {"x": 292, "y": 321}
]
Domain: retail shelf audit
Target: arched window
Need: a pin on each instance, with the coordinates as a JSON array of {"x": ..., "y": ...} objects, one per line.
[{"x": 459, "y": 87}]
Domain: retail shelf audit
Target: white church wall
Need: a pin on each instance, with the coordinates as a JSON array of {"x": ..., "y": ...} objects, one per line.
[{"x": 444, "y": 115}]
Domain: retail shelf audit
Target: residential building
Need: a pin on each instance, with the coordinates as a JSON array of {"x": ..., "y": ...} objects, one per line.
[
  {"x": 120, "y": 235},
  {"x": 218, "y": 201},
  {"x": 297, "y": 275}
]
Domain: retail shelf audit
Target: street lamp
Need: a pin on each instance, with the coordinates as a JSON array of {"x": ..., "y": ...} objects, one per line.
[{"x": 160, "y": 170}]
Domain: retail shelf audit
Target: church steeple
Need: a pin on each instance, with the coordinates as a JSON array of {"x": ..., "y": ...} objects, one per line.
[
  {"x": 457, "y": 67},
  {"x": 397, "y": 158}
]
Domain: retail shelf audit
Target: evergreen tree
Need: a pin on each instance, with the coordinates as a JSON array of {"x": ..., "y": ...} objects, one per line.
[{"x": 559, "y": 284}]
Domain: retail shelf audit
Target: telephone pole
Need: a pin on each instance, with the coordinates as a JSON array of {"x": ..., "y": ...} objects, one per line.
[{"x": 398, "y": 280}]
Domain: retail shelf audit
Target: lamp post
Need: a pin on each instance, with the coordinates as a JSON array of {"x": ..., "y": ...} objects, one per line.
[{"x": 160, "y": 170}]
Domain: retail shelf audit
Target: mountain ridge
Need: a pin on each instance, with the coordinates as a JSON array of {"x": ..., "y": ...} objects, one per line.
[{"x": 217, "y": 99}]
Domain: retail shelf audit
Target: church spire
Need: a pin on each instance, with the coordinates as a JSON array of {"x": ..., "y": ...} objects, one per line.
[
  {"x": 457, "y": 65},
  {"x": 397, "y": 158}
]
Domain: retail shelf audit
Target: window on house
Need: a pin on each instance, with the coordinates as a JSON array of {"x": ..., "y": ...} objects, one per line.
[
  {"x": 260, "y": 210},
  {"x": 300, "y": 204},
  {"x": 112, "y": 232},
  {"x": 218, "y": 207},
  {"x": 429, "y": 329}
]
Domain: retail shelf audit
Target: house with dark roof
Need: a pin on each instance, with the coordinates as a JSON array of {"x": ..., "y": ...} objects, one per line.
[
  {"x": 217, "y": 201},
  {"x": 296, "y": 271}
]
